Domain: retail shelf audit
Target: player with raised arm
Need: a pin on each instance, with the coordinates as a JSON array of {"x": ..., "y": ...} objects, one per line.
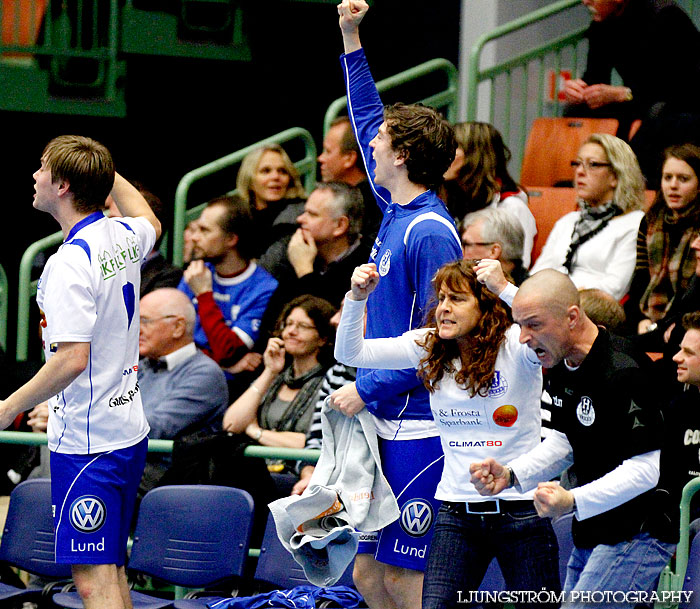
[{"x": 406, "y": 150}]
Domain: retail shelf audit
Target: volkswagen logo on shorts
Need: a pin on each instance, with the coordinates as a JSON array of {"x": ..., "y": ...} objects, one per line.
[
  {"x": 416, "y": 517},
  {"x": 87, "y": 514}
]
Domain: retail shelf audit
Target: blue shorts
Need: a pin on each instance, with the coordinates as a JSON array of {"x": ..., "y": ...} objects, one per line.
[
  {"x": 93, "y": 499},
  {"x": 413, "y": 469}
]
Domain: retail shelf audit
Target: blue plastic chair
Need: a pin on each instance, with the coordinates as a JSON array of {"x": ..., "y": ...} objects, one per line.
[
  {"x": 275, "y": 567},
  {"x": 187, "y": 535},
  {"x": 28, "y": 539}
]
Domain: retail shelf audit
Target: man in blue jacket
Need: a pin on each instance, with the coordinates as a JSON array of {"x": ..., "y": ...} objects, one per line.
[{"x": 406, "y": 150}]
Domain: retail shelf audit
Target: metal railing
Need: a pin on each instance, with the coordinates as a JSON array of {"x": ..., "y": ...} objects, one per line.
[
  {"x": 527, "y": 86},
  {"x": 306, "y": 167},
  {"x": 446, "y": 98},
  {"x": 511, "y": 81},
  {"x": 27, "y": 288},
  {"x": 307, "y": 455}
]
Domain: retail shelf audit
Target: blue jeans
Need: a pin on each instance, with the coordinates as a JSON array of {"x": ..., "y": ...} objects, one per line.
[
  {"x": 464, "y": 545},
  {"x": 633, "y": 565}
]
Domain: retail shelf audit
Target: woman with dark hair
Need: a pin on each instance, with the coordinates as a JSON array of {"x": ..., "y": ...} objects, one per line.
[
  {"x": 479, "y": 178},
  {"x": 665, "y": 261},
  {"x": 485, "y": 390},
  {"x": 276, "y": 408}
]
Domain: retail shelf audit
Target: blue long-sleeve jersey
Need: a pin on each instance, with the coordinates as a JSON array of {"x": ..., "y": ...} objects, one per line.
[{"x": 414, "y": 240}]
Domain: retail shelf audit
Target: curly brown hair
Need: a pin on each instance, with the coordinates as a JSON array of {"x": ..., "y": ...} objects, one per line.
[{"x": 479, "y": 361}]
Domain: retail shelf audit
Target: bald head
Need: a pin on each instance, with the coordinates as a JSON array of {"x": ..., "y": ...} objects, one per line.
[
  {"x": 552, "y": 323},
  {"x": 167, "y": 322},
  {"x": 552, "y": 289}
]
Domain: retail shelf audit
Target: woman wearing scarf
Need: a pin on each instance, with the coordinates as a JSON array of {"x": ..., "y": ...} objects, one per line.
[
  {"x": 276, "y": 408},
  {"x": 596, "y": 244},
  {"x": 665, "y": 261}
]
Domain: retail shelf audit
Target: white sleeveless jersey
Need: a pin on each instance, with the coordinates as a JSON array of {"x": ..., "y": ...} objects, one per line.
[{"x": 89, "y": 292}]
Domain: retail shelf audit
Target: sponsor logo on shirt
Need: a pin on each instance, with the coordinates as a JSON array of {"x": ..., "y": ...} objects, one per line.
[
  {"x": 87, "y": 514},
  {"x": 470, "y": 443},
  {"x": 585, "y": 411},
  {"x": 557, "y": 401},
  {"x": 691, "y": 436},
  {"x": 130, "y": 370},
  {"x": 127, "y": 398},
  {"x": 505, "y": 416},
  {"x": 416, "y": 517},
  {"x": 113, "y": 262},
  {"x": 499, "y": 385},
  {"x": 385, "y": 263}
]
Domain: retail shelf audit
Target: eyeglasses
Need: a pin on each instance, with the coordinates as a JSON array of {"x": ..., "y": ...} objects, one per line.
[
  {"x": 589, "y": 165},
  {"x": 473, "y": 243},
  {"x": 300, "y": 325},
  {"x": 147, "y": 321}
]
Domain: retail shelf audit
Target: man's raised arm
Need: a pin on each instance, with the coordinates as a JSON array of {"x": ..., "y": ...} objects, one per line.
[{"x": 351, "y": 14}]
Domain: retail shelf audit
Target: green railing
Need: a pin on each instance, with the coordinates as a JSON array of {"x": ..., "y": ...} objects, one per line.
[
  {"x": 27, "y": 289},
  {"x": 4, "y": 301},
  {"x": 71, "y": 46},
  {"x": 513, "y": 100},
  {"x": 446, "y": 98},
  {"x": 306, "y": 167},
  {"x": 166, "y": 446},
  {"x": 527, "y": 86}
]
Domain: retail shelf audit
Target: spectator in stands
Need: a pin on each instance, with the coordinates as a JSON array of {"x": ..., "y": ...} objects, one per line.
[
  {"x": 680, "y": 458},
  {"x": 336, "y": 377},
  {"x": 156, "y": 271},
  {"x": 595, "y": 245},
  {"x": 407, "y": 149},
  {"x": 269, "y": 184},
  {"x": 496, "y": 234},
  {"x": 470, "y": 325},
  {"x": 188, "y": 246},
  {"x": 633, "y": 37},
  {"x": 478, "y": 178},
  {"x": 183, "y": 391},
  {"x": 229, "y": 291},
  {"x": 602, "y": 309},
  {"x": 341, "y": 161},
  {"x": 607, "y": 424},
  {"x": 665, "y": 261},
  {"x": 323, "y": 252},
  {"x": 276, "y": 409}
]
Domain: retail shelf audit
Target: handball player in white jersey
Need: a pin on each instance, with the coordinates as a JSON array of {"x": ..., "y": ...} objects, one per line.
[{"x": 88, "y": 297}]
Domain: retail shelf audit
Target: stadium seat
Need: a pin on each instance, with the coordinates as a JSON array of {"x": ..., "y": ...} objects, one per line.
[
  {"x": 191, "y": 536},
  {"x": 548, "y": 205},
  {"x": 553, "y": 143},
  {"x": 28, "y": 540},
  {"x": 276, "y": 569}
]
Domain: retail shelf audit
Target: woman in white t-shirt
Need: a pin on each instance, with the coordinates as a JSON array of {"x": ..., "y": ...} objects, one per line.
[{"x": 485, "y": 392}]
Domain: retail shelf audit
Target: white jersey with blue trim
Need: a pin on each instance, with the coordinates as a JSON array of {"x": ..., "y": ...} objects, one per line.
[{"x": 88, "y": 292}]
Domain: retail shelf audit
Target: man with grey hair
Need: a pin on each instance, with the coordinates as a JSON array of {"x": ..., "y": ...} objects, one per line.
[
  {"x": 321, "y": 255},
  {"x": 182, "y": 389},
  {"x": 496, "y": 234}
]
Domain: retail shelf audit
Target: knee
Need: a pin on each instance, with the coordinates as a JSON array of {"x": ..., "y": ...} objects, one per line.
[
  {"x": 367, "y": 577},
  {"x": 398, "y": 581},
  {"x": 85, "y": 584}
]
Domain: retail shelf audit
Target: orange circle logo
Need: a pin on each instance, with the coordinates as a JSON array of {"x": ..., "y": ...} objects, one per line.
[{"x": 505, "y": 416}]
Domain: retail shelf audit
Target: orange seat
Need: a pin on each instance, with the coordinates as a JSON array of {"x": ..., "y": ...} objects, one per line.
[
  {"x": 553, "y": 143},
  {"x": 548, "y": 205}
]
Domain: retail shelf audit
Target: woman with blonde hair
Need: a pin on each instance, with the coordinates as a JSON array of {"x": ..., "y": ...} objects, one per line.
[
  {"x": 269, "y": 183},
  {"x": 596, "y": 245},
  {"x": 485, "y": 390},
  {"x": 478, "y": 178}
]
